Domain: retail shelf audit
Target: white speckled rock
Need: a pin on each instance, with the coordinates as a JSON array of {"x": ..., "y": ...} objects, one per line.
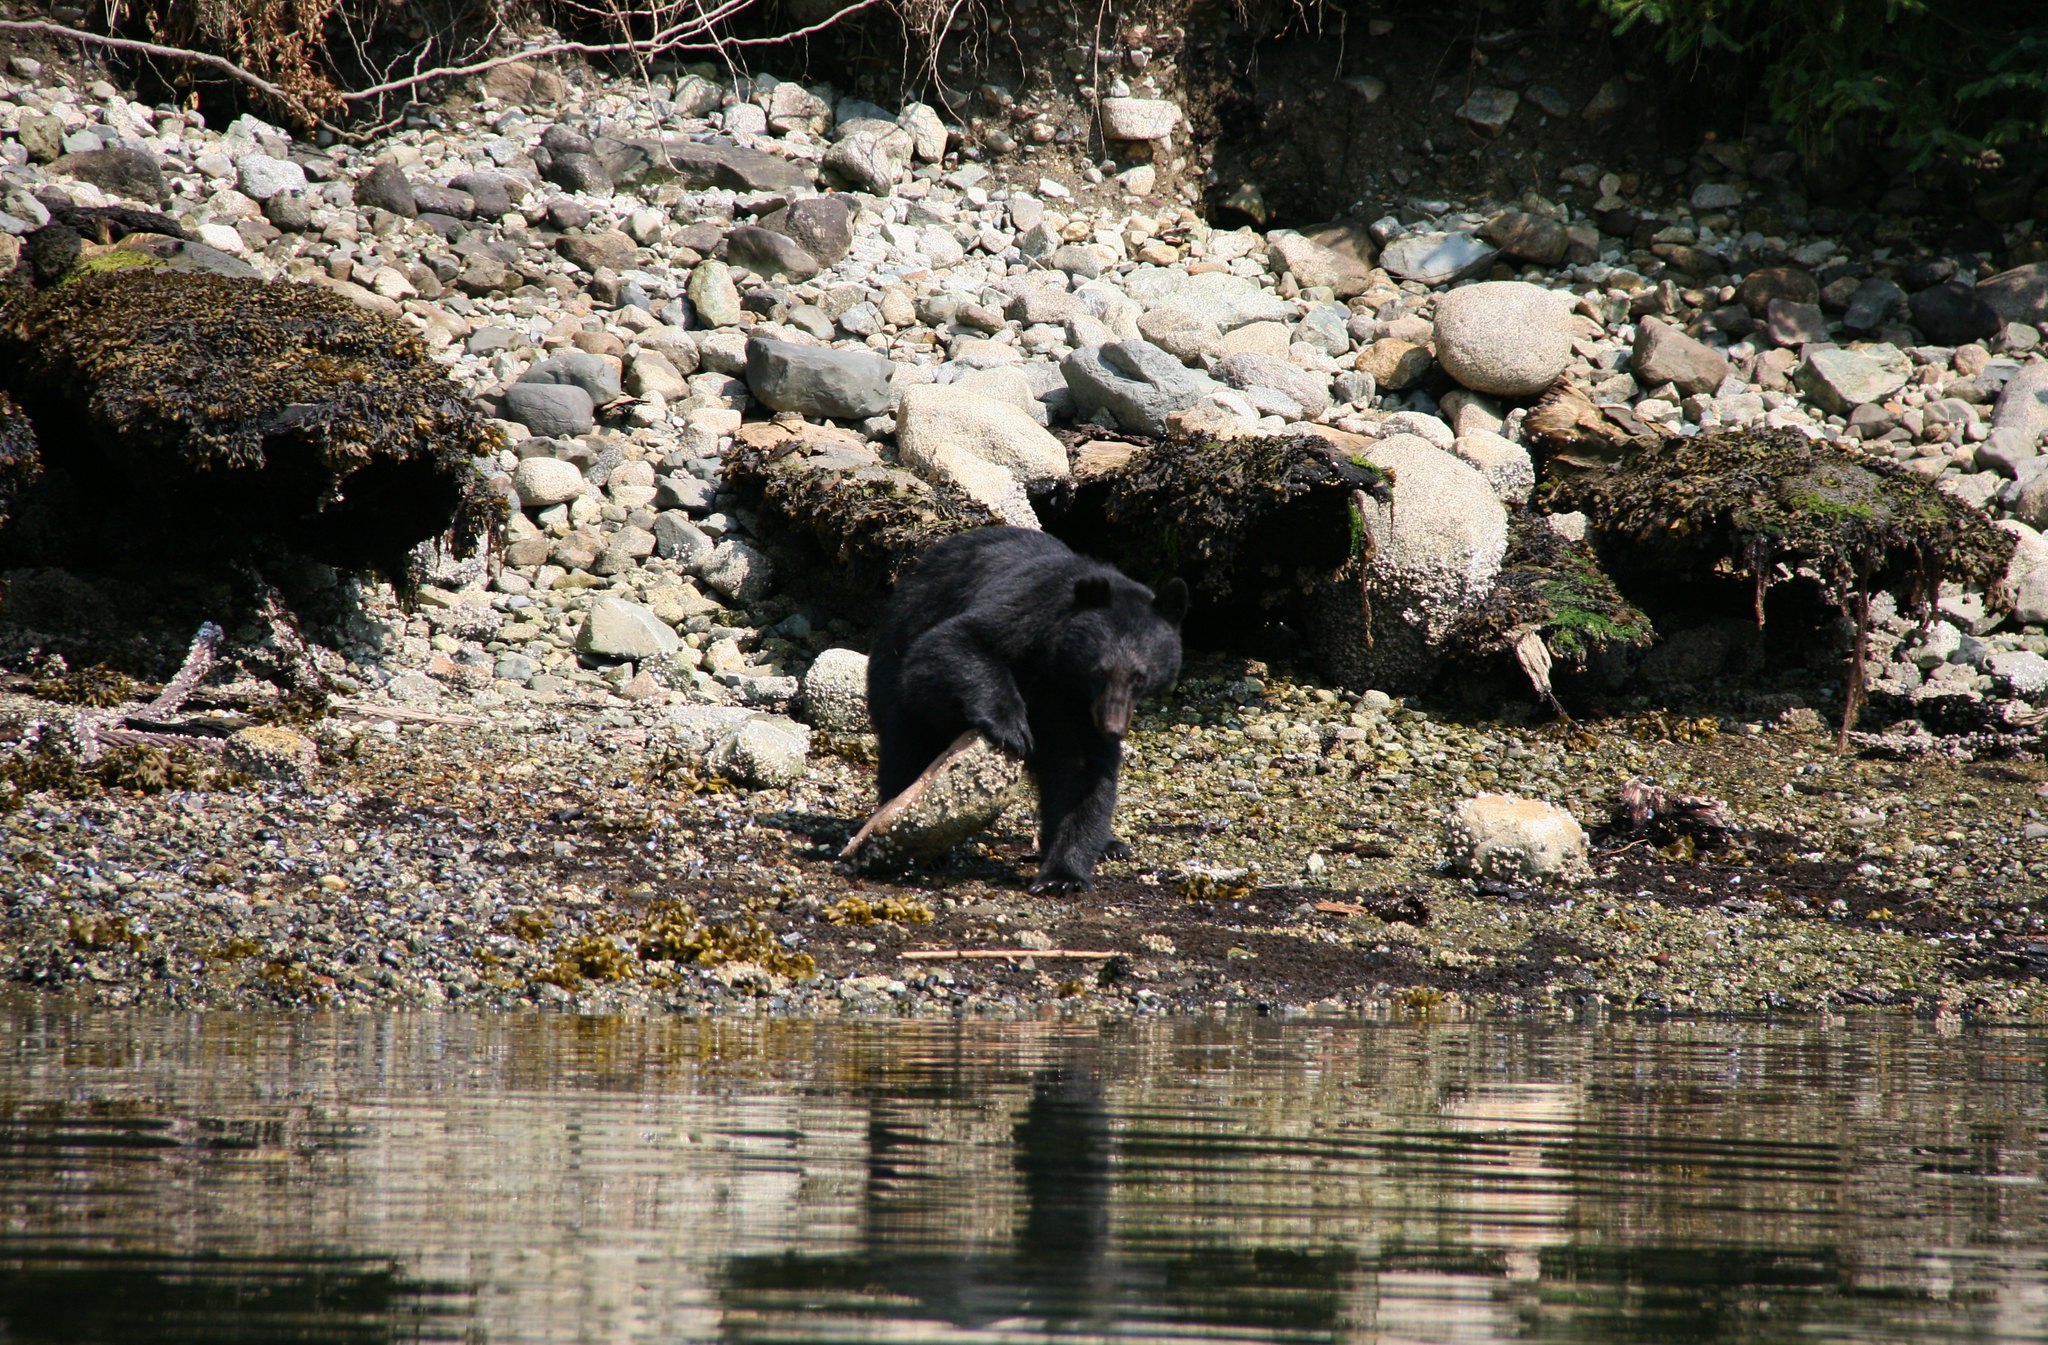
[
  {"x": 1507, "y": 838},
  {"x": 762, "y": 751},
  {"x": 1138, "y": 118},
  {"x": 1504, "y": 336},
  {"x": 836, "y": 691},
  {"x": 1504, "y": 463},
  {"x": 545, "y": 481}
]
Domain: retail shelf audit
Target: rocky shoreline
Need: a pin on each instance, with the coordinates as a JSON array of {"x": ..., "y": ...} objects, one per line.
[{"x": 589, "y": 772}]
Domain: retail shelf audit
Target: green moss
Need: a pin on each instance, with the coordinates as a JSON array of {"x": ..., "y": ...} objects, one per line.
[
  {"x": 1558, "y": 589},
  {"x": 112, "y": 259}
]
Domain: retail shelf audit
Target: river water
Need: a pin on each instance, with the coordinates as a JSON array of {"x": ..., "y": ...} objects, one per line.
[{"x": 423, "y": 1177}]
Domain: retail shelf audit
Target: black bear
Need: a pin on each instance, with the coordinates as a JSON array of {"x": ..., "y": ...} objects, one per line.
[{"x": 1046, "y": 653}]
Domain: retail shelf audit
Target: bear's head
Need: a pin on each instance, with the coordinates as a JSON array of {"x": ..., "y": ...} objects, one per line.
[{"x": 1120, "y": 643}]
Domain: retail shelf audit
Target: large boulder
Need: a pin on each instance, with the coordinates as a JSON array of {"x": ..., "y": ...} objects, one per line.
[
  {"x": 1225, "y": 300},
  {"x": 873, "y": 155},
  {"x": 821, "y": 225},
  {"x": 1664, "y": 354},
  {"x": 2018, "y": 295},
  {"x": 130, "y": 173},
  {"x": 1436, "y": 549},
  {"x": 1506, "y": 337},
  {"x": 2023, "y": 405},
  {"x": 1842, "y": 379},
  {"x": 991, "y": 449},
  {"x": 692, "y": 163},
  {"x": 1314, "y": 266},
  {"x": 1309, "y": 390},
  {"x": 616, "y": 630},
  {"x": 1437, "y": 258},
  {"x": 768, "y": 254},
  {"x": 819, "y": 382}
]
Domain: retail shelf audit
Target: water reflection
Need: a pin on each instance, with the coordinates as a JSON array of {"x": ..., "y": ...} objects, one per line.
[{"x": 425, "y": 1178}]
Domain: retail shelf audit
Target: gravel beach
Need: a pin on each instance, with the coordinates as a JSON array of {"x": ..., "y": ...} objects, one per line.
[{"x": 609, "y": 765}]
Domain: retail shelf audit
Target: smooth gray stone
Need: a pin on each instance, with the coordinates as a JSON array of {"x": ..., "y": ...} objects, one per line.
[
  {"x": 1135, "y": 381},
  {"x": 550, "y": 408},
  {"x": 819, "y": 381}
]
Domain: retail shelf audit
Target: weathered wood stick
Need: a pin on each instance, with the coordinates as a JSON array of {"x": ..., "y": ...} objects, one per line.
[
  {"x": 992, "y": 954},
  {"x": 889, "y": 811}
]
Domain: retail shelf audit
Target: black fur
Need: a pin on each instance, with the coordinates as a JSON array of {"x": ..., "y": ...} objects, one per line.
[{"x": 1045, "y": 653}]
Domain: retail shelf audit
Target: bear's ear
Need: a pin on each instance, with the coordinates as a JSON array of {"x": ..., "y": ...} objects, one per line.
[
  {"x": 1092, "y": 591},
  {"x": 1172, "y": 602}
]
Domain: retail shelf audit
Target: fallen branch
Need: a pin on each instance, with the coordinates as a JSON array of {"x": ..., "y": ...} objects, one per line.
[
  {"x": 912, "y": 792},
  {"x": 198, "y": 662},
  {"x": 999, "y": 954}
]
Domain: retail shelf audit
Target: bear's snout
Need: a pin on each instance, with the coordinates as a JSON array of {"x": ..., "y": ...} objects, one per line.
[{"x": 1114, "y": 706}]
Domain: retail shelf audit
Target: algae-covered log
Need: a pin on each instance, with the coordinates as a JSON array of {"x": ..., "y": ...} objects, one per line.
[
  {"x": 1259, "y": 519},
  {"x": 19, "y": 462},
  {"x": 198, "y": 415},
  {"x": 845, "y": 524},
  {"x": 1762, "y": 503}
]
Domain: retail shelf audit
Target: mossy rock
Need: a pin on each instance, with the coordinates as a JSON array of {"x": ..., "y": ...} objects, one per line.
[
  {"x": 1259, "y": 519},
  {"x": 1761, "y": 503},
  {"x": 843, "y": 523},
  {"x": 208, "y": 415},
  {"x": 1557, "y": 588}
]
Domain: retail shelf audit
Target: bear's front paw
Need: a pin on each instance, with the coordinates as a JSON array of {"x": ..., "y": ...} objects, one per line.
[
  {"x": 1116, "y": 849},
  {"x": 1012, "y": 733}
]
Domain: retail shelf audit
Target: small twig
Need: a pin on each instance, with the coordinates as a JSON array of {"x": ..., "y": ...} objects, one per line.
[
  {"x": 697, "y": 33},
  {"x": 197, "y": 742},
  {"x": 999, "y": 954},
  {"x": 399, "y": 714}
]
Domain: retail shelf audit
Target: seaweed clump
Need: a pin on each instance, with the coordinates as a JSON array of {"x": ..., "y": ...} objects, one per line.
[
  {"x": 1766, "y": 504},
  {"x": 851, "y": 525},
  {"x": 1763, "y": 503},
  {"x": 219, "y": 412},
  {"x": 1262, "y": 517},
  {"x": 673, "y": 932},
  {"x": 20, "y": 463}
]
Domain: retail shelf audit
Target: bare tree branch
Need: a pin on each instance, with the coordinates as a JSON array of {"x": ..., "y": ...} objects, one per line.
[
  {"x": 220, "y": 63},
  {"x": 697, "y": 33}
]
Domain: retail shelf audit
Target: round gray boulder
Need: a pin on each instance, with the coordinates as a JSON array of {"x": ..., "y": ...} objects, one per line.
[{"x": 1504, "y": 336}]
